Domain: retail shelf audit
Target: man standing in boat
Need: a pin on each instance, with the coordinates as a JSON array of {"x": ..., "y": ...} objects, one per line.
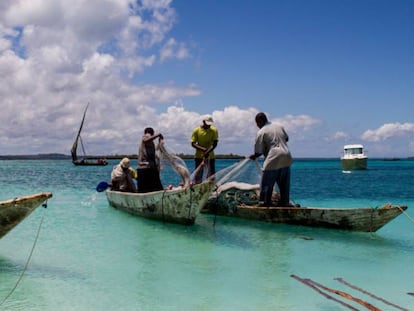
[
  {"x": 148, "y": 163},
  {"x": 271, "y": 142},
  {"x": 204, "y": 139}
]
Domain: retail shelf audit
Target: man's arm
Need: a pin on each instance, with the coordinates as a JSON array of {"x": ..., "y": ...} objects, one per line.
[
  {"x": 212, "y": 147},
  {"x": 198, "y": 147},
  {"x": 254, "y": 156}
]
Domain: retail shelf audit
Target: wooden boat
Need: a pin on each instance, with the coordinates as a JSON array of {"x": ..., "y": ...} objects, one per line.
[
  {"x": 13, "y": 211},
  {"x": 354, "y": 158},
  {"x": 243, "y": 203},
  {"x": 179, "y": 205},
  {"x": 356, "y": 219},
  {"x": 85, "y": 161}
]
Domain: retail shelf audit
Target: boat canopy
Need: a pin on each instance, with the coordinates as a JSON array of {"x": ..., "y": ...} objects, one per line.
[
  {"x": 356, "y": 149},
  {"x": 353, "y": 146}
]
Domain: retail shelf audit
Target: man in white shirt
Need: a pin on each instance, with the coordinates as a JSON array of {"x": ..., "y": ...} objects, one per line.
[{"x": 271, "y": 142}]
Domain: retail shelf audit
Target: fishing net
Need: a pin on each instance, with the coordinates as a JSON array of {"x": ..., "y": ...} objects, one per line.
[
  {"x": 168, "y": 157},
  {"x": 238, "y": 184}
]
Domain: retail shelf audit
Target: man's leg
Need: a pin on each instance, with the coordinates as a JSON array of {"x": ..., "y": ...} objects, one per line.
[
  {"x": 283, "y": 182},
  {"x": 266, "y": 186}
]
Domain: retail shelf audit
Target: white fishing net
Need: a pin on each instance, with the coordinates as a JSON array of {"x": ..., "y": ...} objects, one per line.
[
  {"x": 242, "y": 172},
  {"x": 238, "y": 184},
  {"x": 168, "y": 157}
]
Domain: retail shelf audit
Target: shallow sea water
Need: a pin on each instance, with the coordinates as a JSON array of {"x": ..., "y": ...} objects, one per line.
[{"x": 89, "y": 256}]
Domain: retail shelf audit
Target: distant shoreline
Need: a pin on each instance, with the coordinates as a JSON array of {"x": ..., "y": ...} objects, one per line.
[{"x": 58, "y": 156}]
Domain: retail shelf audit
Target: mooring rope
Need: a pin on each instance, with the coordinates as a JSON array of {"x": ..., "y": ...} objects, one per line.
[
  {"x": 341, "y": 280},
  {"x": 405, "y": 213},
  {"x": 28, "y": 259}
]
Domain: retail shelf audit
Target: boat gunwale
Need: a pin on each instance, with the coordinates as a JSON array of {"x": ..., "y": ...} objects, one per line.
[{"x": 23, "y": 198}]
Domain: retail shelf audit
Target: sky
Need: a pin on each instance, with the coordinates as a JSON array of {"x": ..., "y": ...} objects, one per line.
[{"x": 332, "y": 72}]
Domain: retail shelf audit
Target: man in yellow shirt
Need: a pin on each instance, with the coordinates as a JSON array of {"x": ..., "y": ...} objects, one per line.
[{"x": 204, "y": 140}]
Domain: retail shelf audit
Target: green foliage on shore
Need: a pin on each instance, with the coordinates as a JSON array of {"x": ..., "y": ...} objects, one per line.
[{"x": 58, "y": 156}]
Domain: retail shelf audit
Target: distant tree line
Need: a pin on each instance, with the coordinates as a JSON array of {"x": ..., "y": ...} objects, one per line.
[{"x": 58, "y": 156}]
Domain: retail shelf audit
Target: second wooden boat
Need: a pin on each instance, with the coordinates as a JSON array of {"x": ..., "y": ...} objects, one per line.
[{"x": 243, "y": 203}]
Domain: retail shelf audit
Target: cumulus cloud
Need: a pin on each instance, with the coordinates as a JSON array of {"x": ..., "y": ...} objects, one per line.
[
  {"x": 236, "y": 126},
  {"x": 297, "y": 123},
  {"x": 340, "y": 135},
  {"x": 387, "y": 131},
  {"x": 56, "y": 56},
  {"x": 172, "y": 49}
]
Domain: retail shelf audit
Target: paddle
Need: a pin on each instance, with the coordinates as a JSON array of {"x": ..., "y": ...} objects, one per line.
[{"x": 102, "y": 186}]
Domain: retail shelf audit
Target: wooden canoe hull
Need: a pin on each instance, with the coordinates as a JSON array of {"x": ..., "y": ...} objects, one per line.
[
  {"x": 356, "y": 219},
  {"x": 181, "y": 206},
  {"x": 13, "y": 211}
]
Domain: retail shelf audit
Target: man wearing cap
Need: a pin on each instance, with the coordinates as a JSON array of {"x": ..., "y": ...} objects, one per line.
[
  {"x": 204, "y": 139},
  {"x": 121, "y": 177}
]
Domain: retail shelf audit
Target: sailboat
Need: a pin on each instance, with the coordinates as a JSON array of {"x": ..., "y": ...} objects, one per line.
[{"x": 84, "y": 160}]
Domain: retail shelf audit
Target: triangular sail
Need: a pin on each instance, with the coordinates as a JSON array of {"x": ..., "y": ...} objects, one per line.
[{"x": 75, "y": 143}]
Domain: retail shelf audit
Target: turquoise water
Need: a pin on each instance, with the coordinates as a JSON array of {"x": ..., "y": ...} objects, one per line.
[{"x": 90, "y": 256}]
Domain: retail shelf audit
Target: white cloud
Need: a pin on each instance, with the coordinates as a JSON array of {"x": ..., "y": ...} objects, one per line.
[
  {"x": 340, "y": 135},
  {"x": 172, "y": 49},
  {"x": 297, "y": 123},
  {"x": 58, "y": 55},
  {"x": 55, "y": 56},
  {"x": 387, "y": 131},
  {"x": 236, "y": 126}
]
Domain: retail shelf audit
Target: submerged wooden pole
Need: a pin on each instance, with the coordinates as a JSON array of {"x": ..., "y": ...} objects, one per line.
[
  {"x": 341, "y": 280},
  {"x": 308, "y": 283}
]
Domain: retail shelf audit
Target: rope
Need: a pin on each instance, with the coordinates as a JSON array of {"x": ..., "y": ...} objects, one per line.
[
  {"x": 405, "y": 213},
  {"x": 28, "y": 259}
]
